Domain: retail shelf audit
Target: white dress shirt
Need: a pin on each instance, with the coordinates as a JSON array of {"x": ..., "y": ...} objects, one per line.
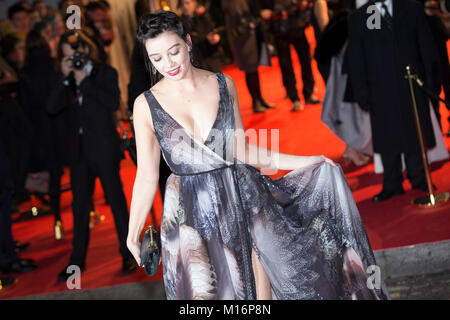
[
  {"x": 388, "y": 4},
  {"x": 360, "y": 3}
]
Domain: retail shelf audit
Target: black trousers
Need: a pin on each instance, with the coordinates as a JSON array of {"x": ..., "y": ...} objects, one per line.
[
  {"x": 82, "y": 177},
  {"x": 7, "y": 246},
  {"x": 253, "y": 85},
  {"x": 301, "y": 45},
  {"x": 55, "y": 191},
  {"x": 20, "y": 164},
  {"x": 393, "y": 175}
]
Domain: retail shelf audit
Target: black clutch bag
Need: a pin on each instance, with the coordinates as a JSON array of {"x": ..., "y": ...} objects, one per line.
[{"x": 151, "y": 251}]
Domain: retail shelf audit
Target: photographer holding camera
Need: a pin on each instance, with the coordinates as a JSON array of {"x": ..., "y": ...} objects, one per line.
[{"x": 88, "y": 90}]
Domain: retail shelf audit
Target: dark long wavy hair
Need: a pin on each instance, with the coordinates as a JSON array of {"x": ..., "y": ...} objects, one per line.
[{"x": 153, "y": 24}]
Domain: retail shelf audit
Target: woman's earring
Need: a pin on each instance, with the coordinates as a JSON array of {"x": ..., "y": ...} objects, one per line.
[{"x": 153, "y": 70}]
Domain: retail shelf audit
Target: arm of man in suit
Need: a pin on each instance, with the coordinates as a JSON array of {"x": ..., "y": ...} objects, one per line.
[
  {"x": 357, "y": 69},
  {"x": 103, "y": 88},
  {"x": 428, "y": 53}
]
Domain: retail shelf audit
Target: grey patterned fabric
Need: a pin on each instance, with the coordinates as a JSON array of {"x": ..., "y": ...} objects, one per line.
[{"x": 304, "y": 227}]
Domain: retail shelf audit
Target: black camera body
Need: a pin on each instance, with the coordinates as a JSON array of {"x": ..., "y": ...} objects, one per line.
[{"x": 79, "y": 60}]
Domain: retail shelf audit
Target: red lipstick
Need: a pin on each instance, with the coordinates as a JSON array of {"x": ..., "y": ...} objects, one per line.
[{"x": 174, "y": 72}]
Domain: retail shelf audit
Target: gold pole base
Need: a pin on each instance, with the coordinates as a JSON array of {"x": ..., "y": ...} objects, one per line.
[
  {"x": 432, "y": 201},
  {"x": 7, "y": 283},
  {"x": 59, "y": 230}
]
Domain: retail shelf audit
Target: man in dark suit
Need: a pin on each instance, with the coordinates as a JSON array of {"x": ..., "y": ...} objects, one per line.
[
  {"x": 378, "y": 56},
  {"x": 9, "y": 261},
  {"x": 288, "y": 20},
  {"x": 89, "y": 90},
  {"x": 248, "y": 45}
]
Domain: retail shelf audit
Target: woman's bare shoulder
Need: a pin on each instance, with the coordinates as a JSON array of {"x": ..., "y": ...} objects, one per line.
[
  {"x": 141, "y": 111},
  {"x": 231, "y": 86}
]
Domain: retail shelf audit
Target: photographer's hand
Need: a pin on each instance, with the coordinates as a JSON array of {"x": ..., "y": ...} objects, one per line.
[
  {"x": 213, "y": 38},
  {"x": 66, "y": 66},
  {"x": 266, "y": 14}
]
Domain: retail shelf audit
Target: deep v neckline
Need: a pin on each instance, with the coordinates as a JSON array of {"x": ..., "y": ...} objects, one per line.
[{"x": 182, "y": 127}]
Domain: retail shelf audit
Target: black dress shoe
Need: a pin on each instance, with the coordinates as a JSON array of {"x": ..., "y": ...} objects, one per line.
[
  {"x": 312, "y": 100},
  {"x": 64, "y": 275},
  {"x": 19, "y": 246},
  {"x": 265, "y": 104},
  {"x": 7, "y": 282},
  {"x": 21, "y": 266},
  {"x": 258, "y": 107},
  {"x": 129, "y": 265},
  {"x": 384, "y": 195}
]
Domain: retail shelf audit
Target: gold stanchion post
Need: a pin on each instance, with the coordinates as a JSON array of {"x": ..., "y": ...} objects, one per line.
[{"x": 431, "y": 200}]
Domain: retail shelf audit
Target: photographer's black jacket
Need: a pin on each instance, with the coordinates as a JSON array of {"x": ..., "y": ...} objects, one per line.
[{"x": 95, "y": 116}]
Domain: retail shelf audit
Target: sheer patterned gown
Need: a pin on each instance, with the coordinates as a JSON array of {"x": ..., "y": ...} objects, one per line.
[{"x": 304, "y": 227}]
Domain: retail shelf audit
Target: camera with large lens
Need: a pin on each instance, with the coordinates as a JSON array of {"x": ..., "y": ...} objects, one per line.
[{"x": 79, "y": 60}]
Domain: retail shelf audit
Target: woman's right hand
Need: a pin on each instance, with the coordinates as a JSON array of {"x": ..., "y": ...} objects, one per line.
[
  {"x": 135, "y": 249},
  {"x": 322, "y": 158}
]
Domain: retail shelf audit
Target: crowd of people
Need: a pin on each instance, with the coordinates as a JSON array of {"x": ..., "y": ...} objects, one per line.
[{"x": 60, "y": 96}]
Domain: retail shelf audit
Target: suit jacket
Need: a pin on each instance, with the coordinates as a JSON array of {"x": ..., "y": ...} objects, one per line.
[
  {"x": 296, "y": 21},
  {"x": 95, "y": 116},
  {"x": 377, "y": 67},
  {"x": 247, "y": 44}
]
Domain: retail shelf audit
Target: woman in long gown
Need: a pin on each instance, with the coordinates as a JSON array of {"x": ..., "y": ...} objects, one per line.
[{"x": 228, "y": 231}]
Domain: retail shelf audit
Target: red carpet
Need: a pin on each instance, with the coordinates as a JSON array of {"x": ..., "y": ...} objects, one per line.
[{"x": 393, "y": 223}]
